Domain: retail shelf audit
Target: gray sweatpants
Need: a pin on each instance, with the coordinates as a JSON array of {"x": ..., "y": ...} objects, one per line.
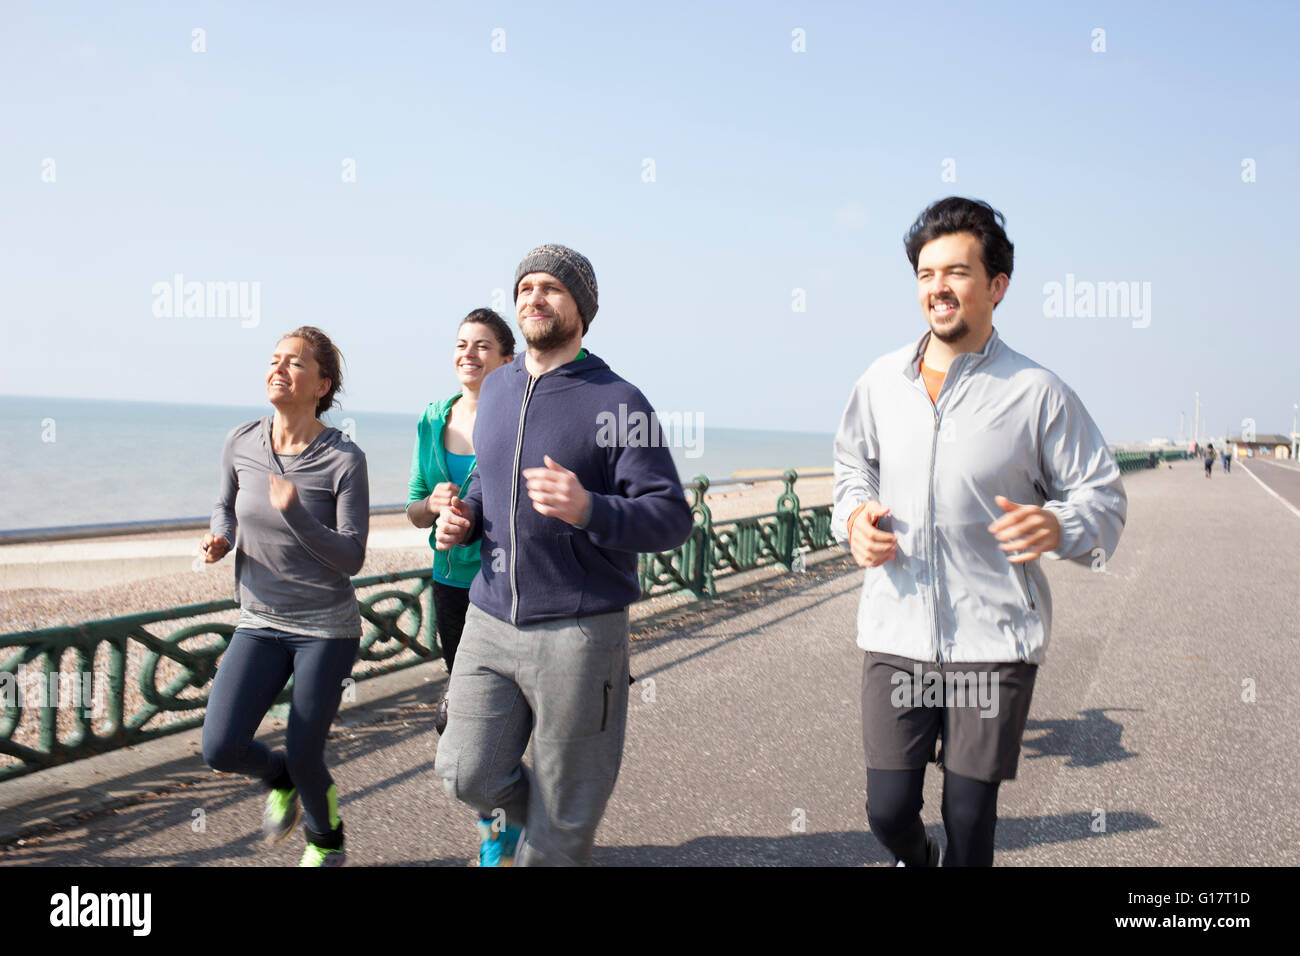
[{"x": 565, "y": 684}]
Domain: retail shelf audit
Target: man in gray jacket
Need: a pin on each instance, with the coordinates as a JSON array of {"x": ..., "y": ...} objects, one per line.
[{"x": 959, "y": 463}]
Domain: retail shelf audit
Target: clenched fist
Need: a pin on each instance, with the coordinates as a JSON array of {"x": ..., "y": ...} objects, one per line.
[
  {"x": 453, "y": 525},
  {"x": 1027, "y": 529},
  {"x": 557, "y": 493},
  {"x": 871, "y": 547},
  {"x": 214, "y": 548},
  {"x": 283, "y": 493}
]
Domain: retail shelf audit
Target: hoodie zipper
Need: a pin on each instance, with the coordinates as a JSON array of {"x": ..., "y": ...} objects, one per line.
[
  {"x": 933, "y": 534},
  {"x": 1029, "y": 593},
  {"x": 1021, "y": 651},
  {"x": 514, "y": 500},
  {"x": 932, "y": 531},
  {"x": 932, "y": 544}
]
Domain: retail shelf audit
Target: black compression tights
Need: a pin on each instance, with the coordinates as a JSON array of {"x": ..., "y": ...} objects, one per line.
[{"x": 969, "y": 816}]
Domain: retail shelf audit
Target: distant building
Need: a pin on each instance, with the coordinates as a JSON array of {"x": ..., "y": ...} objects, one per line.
[{"x": 1263, "y": 446}]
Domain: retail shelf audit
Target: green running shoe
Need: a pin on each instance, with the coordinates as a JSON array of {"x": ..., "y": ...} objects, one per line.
[
  {"x": 281, "y": 815},
  {"x": 319, "y": 856},
  {"x": 497, "y": 847}
]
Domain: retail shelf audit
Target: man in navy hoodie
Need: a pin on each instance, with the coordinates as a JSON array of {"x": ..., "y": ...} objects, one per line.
[{"x": 563, "y": 508}]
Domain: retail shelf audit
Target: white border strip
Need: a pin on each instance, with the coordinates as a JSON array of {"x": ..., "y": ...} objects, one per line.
[{"x": 1286, "y": 504}]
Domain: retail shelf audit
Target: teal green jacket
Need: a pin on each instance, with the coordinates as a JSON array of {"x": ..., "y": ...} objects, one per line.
[{"x": 428, "y": 468}]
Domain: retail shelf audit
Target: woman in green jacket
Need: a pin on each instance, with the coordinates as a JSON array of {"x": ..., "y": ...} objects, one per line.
[{"x": 440, "y": 468}]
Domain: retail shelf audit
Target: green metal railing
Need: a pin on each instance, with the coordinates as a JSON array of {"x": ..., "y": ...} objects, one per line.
[
  {"x": 82, "y": 710},
  {"x": 780, "y": 537},
  {"x": 1137, "y": 460},
  {"x": 104, "y": 685}
]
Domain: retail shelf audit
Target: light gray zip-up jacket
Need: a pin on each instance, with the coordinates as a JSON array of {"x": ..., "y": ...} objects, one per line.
[{"x": 1002, "y": 425}]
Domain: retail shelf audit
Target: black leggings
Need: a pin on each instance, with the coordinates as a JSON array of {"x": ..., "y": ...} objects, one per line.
[
  {"x": 449, "y": 607},
  {"x": 969, "y": 816},
  {"x": 256, "y": 666}
]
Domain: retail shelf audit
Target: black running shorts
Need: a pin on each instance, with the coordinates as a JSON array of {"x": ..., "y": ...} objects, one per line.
[{"x": 978, "y": 710}]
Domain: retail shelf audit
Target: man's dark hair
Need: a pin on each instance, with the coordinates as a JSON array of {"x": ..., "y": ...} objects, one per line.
[
  {"x": 505, "y": 338},
  {"x": 957, "y": 214}
]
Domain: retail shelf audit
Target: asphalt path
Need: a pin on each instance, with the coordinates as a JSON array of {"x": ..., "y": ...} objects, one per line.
[
  {"x": 1162, "y": 731},
  {"x": 1282, "y": 477}
]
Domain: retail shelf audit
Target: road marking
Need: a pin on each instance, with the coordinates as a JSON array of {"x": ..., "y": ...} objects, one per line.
[
  {"x": 1277, "y": 463},
  {"x": 1286, "y": 504}
]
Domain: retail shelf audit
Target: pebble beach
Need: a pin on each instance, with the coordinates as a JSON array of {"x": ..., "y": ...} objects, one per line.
[{"x": 30, "y": 608}]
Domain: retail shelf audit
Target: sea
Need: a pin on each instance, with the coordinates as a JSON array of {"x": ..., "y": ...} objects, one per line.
[{"x": 72, "y": 462}]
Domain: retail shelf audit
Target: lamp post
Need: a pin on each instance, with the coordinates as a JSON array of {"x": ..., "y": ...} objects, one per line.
[{"x": 1196, "y": 422}]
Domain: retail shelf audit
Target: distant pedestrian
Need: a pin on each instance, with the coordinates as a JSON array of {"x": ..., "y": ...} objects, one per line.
[
  {"x": 1227, "y": 460},
  {"x": 1209, "y": 459},
  {"x": 298, "y": 493}
]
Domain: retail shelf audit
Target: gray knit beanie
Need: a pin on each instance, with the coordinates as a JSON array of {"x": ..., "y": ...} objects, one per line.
[{"x": 571, "y": 268}]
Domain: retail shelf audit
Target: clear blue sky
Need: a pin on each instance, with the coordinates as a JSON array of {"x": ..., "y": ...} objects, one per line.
[{"x": 774, "y": 170}]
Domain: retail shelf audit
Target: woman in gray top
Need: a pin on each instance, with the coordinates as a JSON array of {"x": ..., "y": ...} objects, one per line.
[{"x": 298, "y": 494}]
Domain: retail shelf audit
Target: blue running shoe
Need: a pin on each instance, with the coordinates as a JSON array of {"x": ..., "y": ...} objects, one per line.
[{"x": 497, "y": 847}]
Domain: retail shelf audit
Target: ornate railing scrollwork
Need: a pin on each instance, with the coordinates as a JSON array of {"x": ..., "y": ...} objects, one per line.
[{"x": 51, "y": 714}]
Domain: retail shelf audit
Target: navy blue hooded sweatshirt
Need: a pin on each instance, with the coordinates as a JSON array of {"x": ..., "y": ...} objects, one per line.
[{"x": 538, "y": 568}]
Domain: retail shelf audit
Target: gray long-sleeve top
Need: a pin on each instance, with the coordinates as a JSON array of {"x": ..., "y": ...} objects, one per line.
[{"x": 301, "y": 559}]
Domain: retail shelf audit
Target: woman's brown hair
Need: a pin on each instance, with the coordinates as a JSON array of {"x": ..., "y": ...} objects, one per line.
[{"x": 328, "y": 358}]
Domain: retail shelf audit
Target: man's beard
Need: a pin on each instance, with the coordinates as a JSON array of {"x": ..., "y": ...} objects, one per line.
[
  {"x": 954, "y": 334},
  {"x": 547, "y": 335}
]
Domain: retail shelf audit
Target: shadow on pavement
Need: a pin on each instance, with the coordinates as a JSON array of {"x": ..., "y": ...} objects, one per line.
[
  {"x": 166, "y": 796},
  {"x": 1090, "y": 741},
  {"x": 857, "y": 847},
  {"x": 677, "y": 627}
]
